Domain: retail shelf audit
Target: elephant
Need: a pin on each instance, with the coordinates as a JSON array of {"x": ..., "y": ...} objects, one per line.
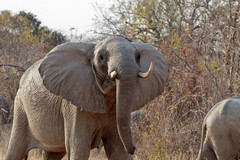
[
  {"x": 220, "y": 131},
  {"x": 82, "y": 93}
]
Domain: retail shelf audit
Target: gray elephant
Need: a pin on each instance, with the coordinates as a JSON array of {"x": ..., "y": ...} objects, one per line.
[
  {"x": 82, "y": 93},
  {"x": 220, "y": 132}
]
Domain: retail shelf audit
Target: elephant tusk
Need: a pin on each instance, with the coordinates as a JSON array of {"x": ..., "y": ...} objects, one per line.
[
  {"x": 148, "y": 73},
  {"x": 113, "y": 74},
  {"x": 4, "y": 110}
]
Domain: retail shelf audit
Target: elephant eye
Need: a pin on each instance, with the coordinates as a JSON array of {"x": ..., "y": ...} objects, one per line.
[{"x": 100, "y": 57}]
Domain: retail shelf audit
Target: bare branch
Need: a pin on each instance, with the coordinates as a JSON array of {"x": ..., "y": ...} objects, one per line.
[{"x": 19, "y": 68}]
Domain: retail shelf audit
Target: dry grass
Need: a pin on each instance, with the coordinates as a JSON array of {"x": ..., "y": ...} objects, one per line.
[{"x": 164, "y": 134}]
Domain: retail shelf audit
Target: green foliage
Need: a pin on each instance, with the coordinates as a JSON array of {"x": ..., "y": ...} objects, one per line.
[
  {"x": 26, "y": 28},
  {"x": 175, "y": 41},
  {"x": 157, "y": 152},
  {"x": 143, "y": 20}
]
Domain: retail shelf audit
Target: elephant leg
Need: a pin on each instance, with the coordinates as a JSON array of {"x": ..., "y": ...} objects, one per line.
[
  {"x": 54, "y": 155},
  {"x": 78, "y": 134},
  {"x": 207, "y": 151},
  {"x": 224, "y": 149},
  {"x": 114, "y": 148},
  {"x": 78, "y": 145},
  {"x": 18, "y": 144}
]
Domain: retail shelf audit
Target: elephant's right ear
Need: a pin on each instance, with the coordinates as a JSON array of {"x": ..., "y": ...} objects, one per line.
[{"x": 66, "y": 71}]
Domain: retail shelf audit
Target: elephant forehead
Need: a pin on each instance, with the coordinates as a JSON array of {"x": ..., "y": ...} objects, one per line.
[
  {"x": 120, "y": 47},
  {"x": 114, "y": 39},
  {"x": 115, "y": 43}
]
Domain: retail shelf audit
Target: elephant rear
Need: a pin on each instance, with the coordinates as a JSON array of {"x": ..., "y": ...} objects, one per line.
[{"x": 220, "y": 131}]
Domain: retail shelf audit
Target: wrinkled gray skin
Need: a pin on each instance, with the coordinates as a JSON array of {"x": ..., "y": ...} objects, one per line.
[
  {"x": 67, "y": 102},
  {"x": 220, "y": 131}
]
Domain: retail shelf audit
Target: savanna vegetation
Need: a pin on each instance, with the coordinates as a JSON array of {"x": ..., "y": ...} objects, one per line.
[
  {"x": 200, "y": 39},
  {"x": 22, "y": 42}
]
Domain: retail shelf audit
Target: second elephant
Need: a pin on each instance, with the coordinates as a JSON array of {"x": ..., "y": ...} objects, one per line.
[{"x": 221, "y": 131}]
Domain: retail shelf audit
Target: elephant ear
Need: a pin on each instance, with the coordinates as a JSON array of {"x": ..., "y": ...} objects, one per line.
[
  {"x": 66, "y": 71},
  {"x": 149, "y": 88}
]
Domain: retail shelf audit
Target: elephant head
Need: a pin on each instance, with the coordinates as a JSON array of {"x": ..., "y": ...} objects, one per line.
[{"x": 83, "y": 73}]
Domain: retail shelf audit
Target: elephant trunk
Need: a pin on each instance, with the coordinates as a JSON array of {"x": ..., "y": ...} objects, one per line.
[{"x": 125, "y": 91}]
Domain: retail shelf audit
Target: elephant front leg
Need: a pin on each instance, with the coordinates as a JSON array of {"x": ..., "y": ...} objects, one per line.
[
  {"x": 114, "y": 148},
  {"x": 77, "y": 148},
  {"x": 19, "y": 139},
  {"x": 78, "y": 134}
]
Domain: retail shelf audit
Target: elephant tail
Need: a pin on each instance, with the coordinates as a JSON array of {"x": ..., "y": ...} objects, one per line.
[{"x": 204, "y": 130}]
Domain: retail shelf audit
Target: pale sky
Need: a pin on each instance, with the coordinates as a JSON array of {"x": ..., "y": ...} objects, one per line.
[{"x": 57, "y": 14}]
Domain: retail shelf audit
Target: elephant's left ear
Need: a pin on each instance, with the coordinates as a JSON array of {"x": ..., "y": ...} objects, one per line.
[
  {"x": 66, "y": 71},
  {"x": 152, "y": 86}
]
